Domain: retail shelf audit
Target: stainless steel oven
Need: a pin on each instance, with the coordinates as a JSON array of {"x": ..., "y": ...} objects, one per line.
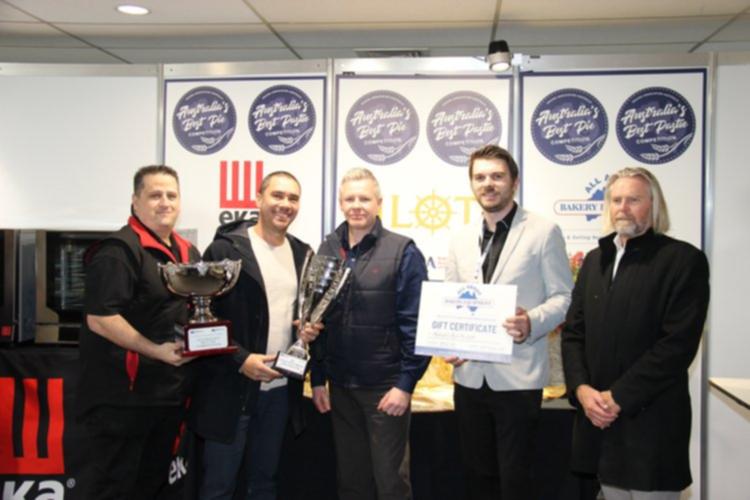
[{"x": 52, "y": 281}]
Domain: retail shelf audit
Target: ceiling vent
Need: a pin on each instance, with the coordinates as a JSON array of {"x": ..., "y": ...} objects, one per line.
[{"x": 392, "y": 52}]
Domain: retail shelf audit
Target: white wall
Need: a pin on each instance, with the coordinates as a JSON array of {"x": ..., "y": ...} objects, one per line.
[
  {"x": 728, "y": 424},
  {"x": 59, "y": 133}
]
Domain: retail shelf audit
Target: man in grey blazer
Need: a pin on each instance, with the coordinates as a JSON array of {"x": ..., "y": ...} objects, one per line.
[{"x": 498, "y": 404}]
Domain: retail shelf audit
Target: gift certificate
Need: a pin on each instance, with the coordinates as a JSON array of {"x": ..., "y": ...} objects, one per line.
[{"x": 466, "y": 320}]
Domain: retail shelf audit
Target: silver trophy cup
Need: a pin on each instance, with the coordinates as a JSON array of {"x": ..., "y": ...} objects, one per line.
[
  {"x": 321, "y": 280},
  {"x": 201, "y": 281}
]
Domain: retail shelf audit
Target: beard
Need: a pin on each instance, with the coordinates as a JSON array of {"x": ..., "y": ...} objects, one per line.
[
  {"x": 628, "y": 228},
  {"x": 498, "y": 205}
]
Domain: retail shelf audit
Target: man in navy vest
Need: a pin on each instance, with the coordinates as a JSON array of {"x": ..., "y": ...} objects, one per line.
[
  {"x": 366, "y": 350},
  {"x": 132, "y": 388}
]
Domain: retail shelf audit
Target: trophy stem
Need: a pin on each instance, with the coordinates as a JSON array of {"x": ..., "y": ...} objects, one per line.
[{"x": 202, "y": 312}]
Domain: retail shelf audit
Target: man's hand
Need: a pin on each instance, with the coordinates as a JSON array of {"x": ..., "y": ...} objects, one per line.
[
  {"x": 170, "y": 353},
  {"x": 395, "y": 402},
  {"x": 454, "y": 360},
  {"x": 610, "y": 402},
  {"x": 599, "y": 408},
  {"x": 518, "y": 326},
  {"x": 310, "y": 332},
  {"x": 255, "y": 368},
  {"x": 321, "y": 399}
]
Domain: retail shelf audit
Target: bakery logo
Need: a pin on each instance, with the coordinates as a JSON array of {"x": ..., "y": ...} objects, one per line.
[
  {"x": 590, "y": 207},
  {"x": 467, "y": 297},
  {"x": 461, "y": 123},
  {"x": 282, "y": 119},
  {"x": 204, "y": 120},
  {"x": 569, "y": 126},
  {"x": 39, "y": 449},
  {"x": 239, "y": 183},
  {"x": 382, "y": 127},
  {"x": 655, "y": 125}
]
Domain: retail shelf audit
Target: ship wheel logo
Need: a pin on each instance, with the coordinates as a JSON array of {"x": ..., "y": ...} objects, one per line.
[{"x": 433, "y": 212}]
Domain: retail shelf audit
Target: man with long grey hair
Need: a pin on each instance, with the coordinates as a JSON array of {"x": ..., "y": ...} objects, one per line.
[{"x": 632, "y": 330}]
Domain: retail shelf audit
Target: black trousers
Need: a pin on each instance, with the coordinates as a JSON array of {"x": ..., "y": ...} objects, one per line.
[
  {"x": 372, "y": 448},
  {"x": 498, "y": 432},
  {"x": 128, "y": 451}
]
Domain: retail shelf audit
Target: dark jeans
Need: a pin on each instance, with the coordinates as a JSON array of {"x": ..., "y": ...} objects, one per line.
[
  {"x": 372, "y": 452},
  {"x": 498, "y": 431},
  {"x": 129, "y": 450},
  {"x": 257, "y": 444}
]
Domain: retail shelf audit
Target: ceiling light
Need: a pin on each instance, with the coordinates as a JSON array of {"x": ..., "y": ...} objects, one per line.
[
  {"x": 498, "y": 56},
  {"x": 133, "y": 10}
]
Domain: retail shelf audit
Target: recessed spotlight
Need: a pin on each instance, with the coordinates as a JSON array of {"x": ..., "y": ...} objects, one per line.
[{"x": 133, "y": 10}]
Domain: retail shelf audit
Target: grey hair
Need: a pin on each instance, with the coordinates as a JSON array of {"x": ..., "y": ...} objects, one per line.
[
  {"x": 659, "y": 212},
  {"x": 361, "y": 174}
]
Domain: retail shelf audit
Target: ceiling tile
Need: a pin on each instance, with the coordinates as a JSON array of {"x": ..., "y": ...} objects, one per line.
[
  {"x": 55, "y": 55},
  {"x": 738, "y": 30},
  {"x": 166, "y": 56},
  {"x": 631, "y": 9},
  {"x": 724, "y": 46},
  {"x": 35, "y": 35},
  {"x": 9, "y": 13},
  {"x": 386, "y": 35},
  {"x": 177, "y": 36},
  {"x": 592, "y": 49},
  {"x": 608, "y": 32},
  {"x": 359, "y": 11},
  {"x": 103, "y": 11}
]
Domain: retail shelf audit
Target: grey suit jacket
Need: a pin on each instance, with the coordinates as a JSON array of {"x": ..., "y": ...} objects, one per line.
[{"x": 534, "y": 259}]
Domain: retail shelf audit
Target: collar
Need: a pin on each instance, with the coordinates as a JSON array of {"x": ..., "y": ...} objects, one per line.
[
  {"x": 342, "y": 233},
  {"x": 149, "y": 239},
  {"x": 609, "y": 247},
  {"x": 504, "y": 223}
]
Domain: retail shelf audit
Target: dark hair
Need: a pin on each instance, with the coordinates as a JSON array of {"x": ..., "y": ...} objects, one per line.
[
  {"x": 493, "y": 152},
  {"x": 151, "y": 170},
  {"x": 279, "y": 173}
]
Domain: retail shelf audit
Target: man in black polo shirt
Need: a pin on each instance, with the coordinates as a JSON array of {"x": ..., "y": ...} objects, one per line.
[{"x": 132, "y": 387}]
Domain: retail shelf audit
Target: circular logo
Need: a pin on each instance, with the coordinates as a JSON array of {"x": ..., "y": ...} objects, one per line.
[
  {"x": 569, "y": 126},
  {"x": 382, "y": 127},
  {"x": 459, "y": 124},
  {"x": 282, "y": 119},
  {"x": 655, "y": 125},
  {"x": 204, "y": 120}
]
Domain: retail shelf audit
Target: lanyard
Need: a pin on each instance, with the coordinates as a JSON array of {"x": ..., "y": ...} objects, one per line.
[{"x": 478, "y": 272}]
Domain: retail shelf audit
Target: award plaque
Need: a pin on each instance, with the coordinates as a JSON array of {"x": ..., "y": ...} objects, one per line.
[
  {"x": 321, "y": 280},
  {"x": 204, "y": 334}
]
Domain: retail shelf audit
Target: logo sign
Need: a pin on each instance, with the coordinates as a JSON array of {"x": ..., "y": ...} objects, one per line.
[
  {"x": 469, "y": 297},
  {"x": 655, "y": 125},
  {"x": 238, "y": 188},
  {"x": 282, "y": 119},
  {"x": 591, "y": 207},
  {"x": 569, "y": 126},
  {"x": 459, "y": 124},
  {"x": 239, "y": 183},
  {"x": 204, "y": 120},
  {"x": 30, "y": 459},
  {"x": 382, "y": 127}
]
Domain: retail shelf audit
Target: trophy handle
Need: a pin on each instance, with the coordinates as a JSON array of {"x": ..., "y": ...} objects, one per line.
[
  {"x": 237, "y": 269},
  {"x": 301, "y": 302},
  {"x": 330, "y": 295}
]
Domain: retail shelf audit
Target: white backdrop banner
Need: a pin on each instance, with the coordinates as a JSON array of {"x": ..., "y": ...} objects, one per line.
[
  {"x": 578, "y": 128},
  {"x": 224, "y": 135},
  {"x": 416, "y": 135}
]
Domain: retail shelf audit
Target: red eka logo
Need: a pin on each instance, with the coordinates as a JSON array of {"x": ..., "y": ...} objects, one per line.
[
  {"x": 31, "y": 460},
  {"x": 238, "y": 188}
]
